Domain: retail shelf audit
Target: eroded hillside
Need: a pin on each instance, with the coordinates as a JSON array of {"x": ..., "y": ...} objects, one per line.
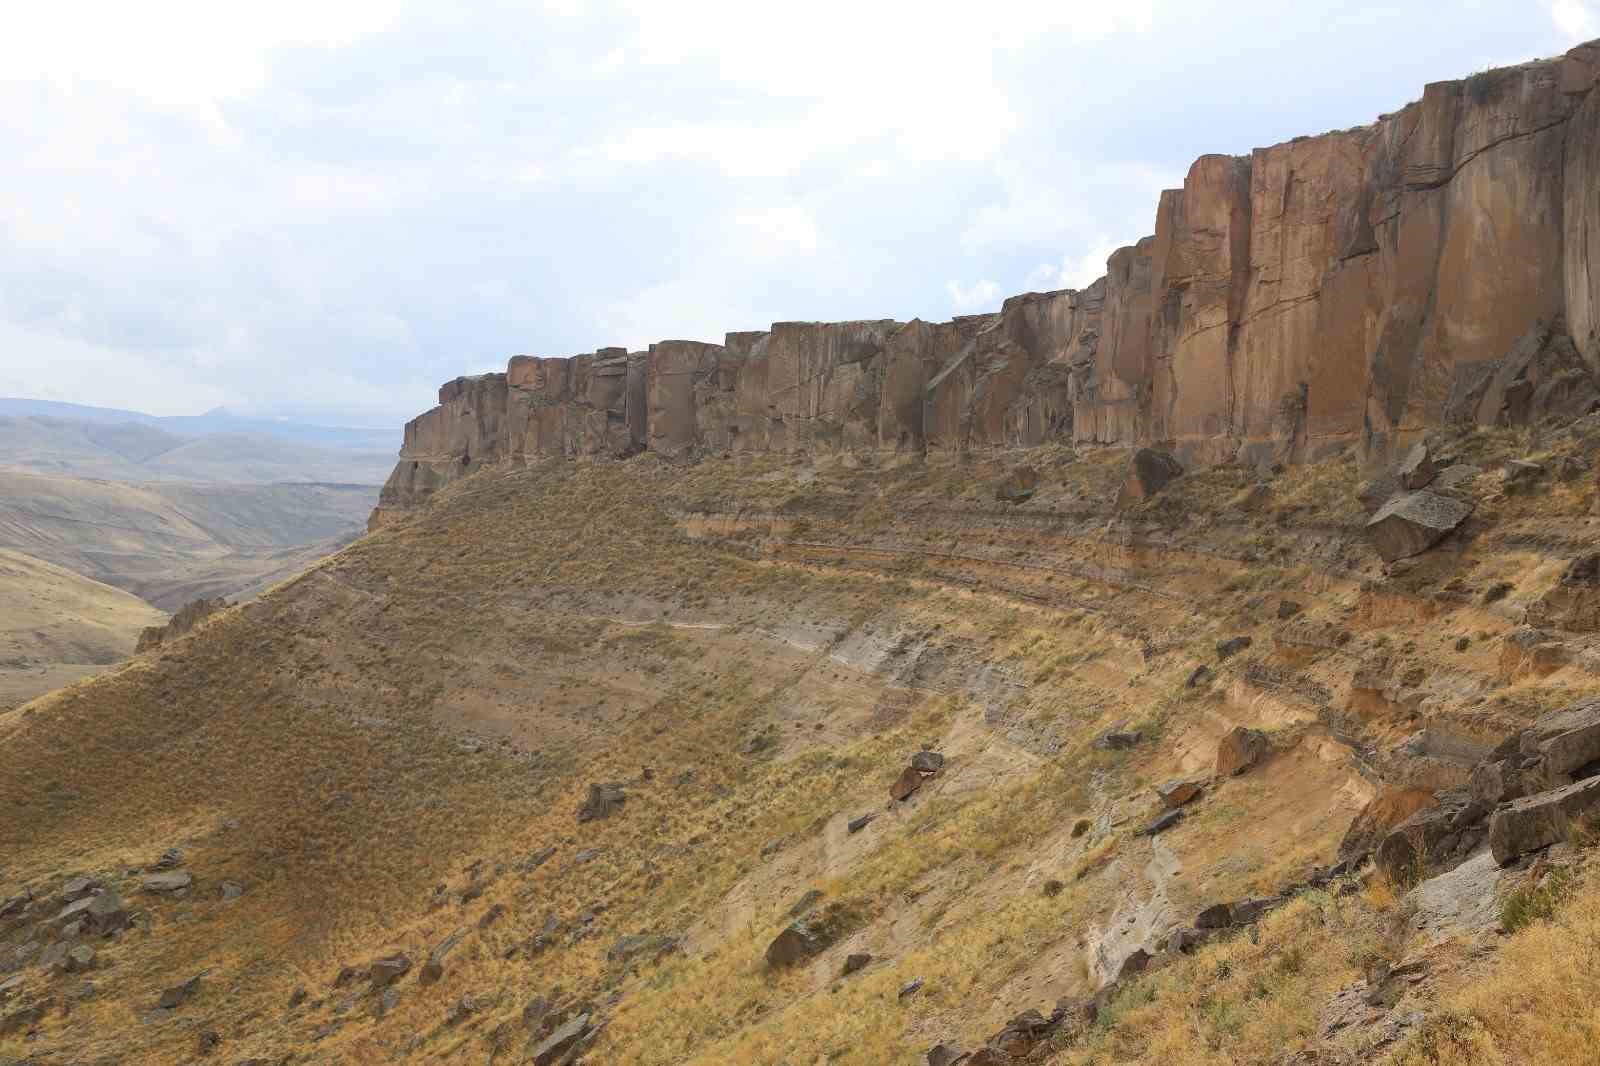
[{"x": 541, "y": 771}]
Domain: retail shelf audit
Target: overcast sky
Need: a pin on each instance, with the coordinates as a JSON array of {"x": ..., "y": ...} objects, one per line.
[{"x": 323, "y": 209}]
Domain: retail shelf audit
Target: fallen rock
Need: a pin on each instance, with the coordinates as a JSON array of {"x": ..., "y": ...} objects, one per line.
[
  {"x": 1162, "y": 824},
  {"x": 76, "y": 888},
  {"x": 80, "y": 959},
  {"x": 856, "y": 961},
  {"x": 927, "y": 762},
  {"x": 798, "y": 941},
  {"x": 1240, "y": 749},
  {"x": 1178, "y": 791},
  {"x": 604, "y": 800},
  {"x": 907, "y": 783},
  {"x": 1287, "y": 609},
  {"x": 947, "y": 1055},
  {"x": 1527, "y": 652},
  {"x": 856, "y": 825},
  {"x": 910, "y": 988},
  {"x": 1248, "y": 910},
  {"x": 1118, "y": 738},
  {"x": 1019, "y": 485},
  {"x": 230, "y": 891},
  {"x": 1432, "y": 840},
  {"x": 1216, "y": 916},
  {"x": 389, "y": 969},
  {"x": 1537, "y": 821},
  {"x": 178, "y": 995},
  {"x": 1150, "y": 472},
  {"x": 1227, "y": 649},
  {"x": 1378, "y": 491},
  {"x": 1200, "y": 675},
  {"x": 433, "y": 969},
  {"x": 173, "y": 881},
  {"x": 1411, "y": 524},
  {"x": 550, "y": 1050},
  {"x": 10, "y": 986},
  {"x": 24, "y": 1018},
  {"x": 1415, "y": 470}
]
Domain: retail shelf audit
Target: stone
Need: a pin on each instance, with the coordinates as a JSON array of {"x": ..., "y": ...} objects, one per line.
[
  {"x": 1151, "y": 471},
  {"x": 76, "y": 888},
  {"x": 1200, "y": 675},
  {"x": 1415, "y": 470},
  {"x": 1574, "y": 603},
  {"x": 1378, "y": 491},
  {"x": 1118, "y": 738},
  {"x": 171, "y": 881},
  {"x": 1519, "y": 475},
  {"x": 1162, "y": 824},
  {"x": 297, "y": 997},
  {"x": 80, "y": 959},
  {"x": 1411, "y": 524},
  {"x": 462, "y": 1009},
  {"x": 1227, "y": 649},
  {"x": 603, "y": 801},
  {"x": 23, "y": 1019},
  {"x": 1240, "y": 749},
  {"x": 906, "y": 784},
  {"x": 563, "y": 1039},
  {"x": 230, "y": 891},
  {"x": 856, "y": 960},
  {"x": 1136, "y": 962},
  {"x": 189, "y": 616},
  {"x": 947, "y": 1055},
  {"x": 433, "y": 969},
  {"x": 1216, "y": 916},
  {"x": 388, "y": 969},
  {"x": 1018, "y": 486},
  {"x": 10, "y": 986},
  {"x": 54, "y": 956},
  {"x": 1287, "y": 609},
  {"x": 207, "y": 1041},
  {"x": 176, "y": 996},
  {"x": 1179, "y": 791},
  {"x": 1432, "y": 840},
  {"x": 798, "y": 941},
  {"x": 15, "y": 905},
  {"x": 910, "y": 988},
  {"x": 627, "y": 949},
  {"x": 1052, "y": 888},
  {"x": 856, "y": 825},
  {"x": 1246, "y": 911},
  {"x": 1542, "y": 819},
  {"x": 927, "y": 762}
]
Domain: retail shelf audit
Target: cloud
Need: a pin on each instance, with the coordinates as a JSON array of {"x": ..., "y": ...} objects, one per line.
[
  {"x": 982, "y": 295},
  {"x": 1576, "y": 20},
  {"x": 1074, "y": 272}
]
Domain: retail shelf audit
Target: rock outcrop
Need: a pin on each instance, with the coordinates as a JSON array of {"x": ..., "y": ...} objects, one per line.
[{"x": 1352, "y": 288}]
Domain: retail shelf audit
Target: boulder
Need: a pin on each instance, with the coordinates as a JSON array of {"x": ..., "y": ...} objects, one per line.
[
  {"x": 563, "y": 1039},
  {"x": 927, "y": 762},
  {"x": 856, "y": 961},
  {"x": 176, "y": 996},
  {"x": 948, "y": 1055},
  {"x": 907, "y": 783},
  {"x": 1527, "y": 652},
  {"x": 76, "y": 888},
  {"x": 389, "y": 969},
  {"x": 1415, "y": 470},
  {"x": 80, "y": 958},
  {"x": 1018, "y": 486},
  {"x": 1150, "y": 472},
  {"x": 910, "y": 988},
  {"x": 800, "y": 940},
  {"x": 1178, "y": 791},
  {"x": 1537, "y": 821},
  {"x": 433, "y": 969},
  {"x": 1411, "y": 524},
  {"x": 1227, "y": 649},
  {"x": 856, "y": 825},
  {"x": 1216, "y": 916},
  {"x": 1240, "y": 749},
  {"x": 603, "y": 801},
  {"x": 1560, "y": 747},
  {"x": 1248, "y": 910},
  {"x": 1373, "y": 494},
  {"x": 1433, "y": 840},
  {"x": 171, "y": 881},
  {"x": 1162, "y": 824},
  {"x": 1118, "y": 738}
]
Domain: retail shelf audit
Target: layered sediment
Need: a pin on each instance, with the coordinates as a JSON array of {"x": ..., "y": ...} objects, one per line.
[{"x": 1349, "y": 289}]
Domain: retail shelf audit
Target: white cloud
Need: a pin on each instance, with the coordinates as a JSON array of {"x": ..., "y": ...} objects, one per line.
[
  {"x": 1576, "y": 20},
  {"x": 1074, "y": 271},
  {"x": 981, "y": 295}
]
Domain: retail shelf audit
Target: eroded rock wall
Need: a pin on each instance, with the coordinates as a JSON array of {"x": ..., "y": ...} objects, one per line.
[{"x": 1353, "y": 288}]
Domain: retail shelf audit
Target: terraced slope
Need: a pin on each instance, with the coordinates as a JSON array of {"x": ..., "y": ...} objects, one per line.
[{"x": 396, "y": 756}]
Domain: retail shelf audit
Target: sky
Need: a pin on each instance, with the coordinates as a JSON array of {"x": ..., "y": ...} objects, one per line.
[{"x": 323, "y": 210}]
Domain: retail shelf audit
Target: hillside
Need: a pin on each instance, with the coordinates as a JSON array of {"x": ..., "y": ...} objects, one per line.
[
  {"x": 60, "y": 627},
  {"x": 172, "y": 543},
  {"x": 405, "y": 743}
]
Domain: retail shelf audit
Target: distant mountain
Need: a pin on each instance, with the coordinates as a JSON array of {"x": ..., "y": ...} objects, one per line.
[
  {"x": 148, "y": 451},
  {"x": 219, "y": 420}
]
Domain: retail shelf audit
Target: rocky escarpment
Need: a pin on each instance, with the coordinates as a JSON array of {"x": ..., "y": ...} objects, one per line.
[{"x": 1351, "y": 288}]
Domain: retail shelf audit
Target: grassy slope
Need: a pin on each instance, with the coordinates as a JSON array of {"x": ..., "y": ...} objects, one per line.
[
  {"x": 582, "y": 622},
  {"x": 57, "y": 627}
]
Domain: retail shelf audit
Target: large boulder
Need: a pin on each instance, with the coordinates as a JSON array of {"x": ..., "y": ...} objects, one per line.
[
  {"x": 1537, "y": 821},
  {"x": 433, "y": 969},
  {"x": 908, "y": 782},
  {"x": 1240, "y": 749},
  {"x": 553, "y": 1048},
  {"x": 1432, "y": 840},
  {"x": 1149, "y": 473},
  {"x": 1415, "y": 470},
  {"x": 1559, "y": 748},
  {"x": 1411, "y": 524},
  {"x": 389, "y": 969},
  {"x": 1178, "y": 791}
]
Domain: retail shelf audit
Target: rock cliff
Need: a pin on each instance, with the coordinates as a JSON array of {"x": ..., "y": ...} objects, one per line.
[{"x": 1352, "y": 288}]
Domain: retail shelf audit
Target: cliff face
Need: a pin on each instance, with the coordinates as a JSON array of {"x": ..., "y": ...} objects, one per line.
[{"x": 1352, "y": 288}]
